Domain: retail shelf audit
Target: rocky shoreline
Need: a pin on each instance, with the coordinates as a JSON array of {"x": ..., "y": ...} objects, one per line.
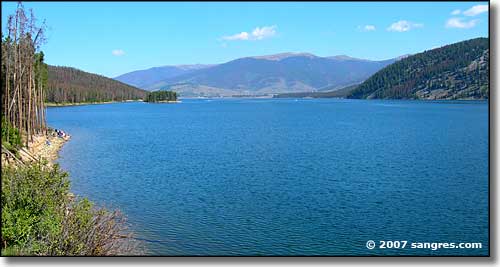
[{"x": 45, "y": 147}]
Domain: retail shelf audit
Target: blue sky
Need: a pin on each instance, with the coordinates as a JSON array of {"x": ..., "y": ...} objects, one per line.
[{"x": 112, "y": 38}]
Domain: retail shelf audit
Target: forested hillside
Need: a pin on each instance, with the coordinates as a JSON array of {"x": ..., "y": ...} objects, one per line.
[
  {"x": 456, "y": 71},
  {"x": 70, "y": 85}
]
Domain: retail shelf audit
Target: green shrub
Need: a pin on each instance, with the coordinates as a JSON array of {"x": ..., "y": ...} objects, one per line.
[
  {"x": 40, "y": 218},
  {"x": 11, "y": 138}
]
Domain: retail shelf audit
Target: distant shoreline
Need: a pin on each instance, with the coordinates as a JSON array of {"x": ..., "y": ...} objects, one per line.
[
  {"x": 51, "y": 104},
  {"x": 215, "y": 97},
  {"x": 163, "y": 102},
  {"x": 391, "y": 99}
]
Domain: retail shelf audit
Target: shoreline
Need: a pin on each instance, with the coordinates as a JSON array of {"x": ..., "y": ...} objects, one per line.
[
  {"x": 39, "y": 149},
  {"x": 191, "y": 98},
  {"x": 51, "y": 104},
  {"x": 395, "y": 99},
  {"x": 163, "y": 102}
]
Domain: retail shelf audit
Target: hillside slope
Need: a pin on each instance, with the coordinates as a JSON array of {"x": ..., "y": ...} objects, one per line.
[
  {"x": 270, "y": 74},
  {"x": 70, "y": 85},
  {"x": 456, "y": 71},
  {"x": 147, "y": 78},
  {"x": 292, "y": 73}
]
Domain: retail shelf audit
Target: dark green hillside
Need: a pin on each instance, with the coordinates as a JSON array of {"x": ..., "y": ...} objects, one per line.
[
  {"x": 70, "y": 85},
  {"x": 456, "y": 71}
]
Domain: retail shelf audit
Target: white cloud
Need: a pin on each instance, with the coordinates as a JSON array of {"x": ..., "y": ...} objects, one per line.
[
  {"x": 403, "y": 26},
  {"x": 118, "y": 52},
  {"x": 258, "y": 33},
  {"x": 456, "y": 12},
  {"x": 367, "y": 28},
  {"x": 476, "y": 10},
  {"x": 460, "y": 23},
  {"x": 238, "y": 36},
  {"x": 264, "y": 32}
]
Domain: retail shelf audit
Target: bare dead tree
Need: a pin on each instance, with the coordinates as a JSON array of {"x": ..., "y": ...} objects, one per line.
[{"x": 23, "y": 84}]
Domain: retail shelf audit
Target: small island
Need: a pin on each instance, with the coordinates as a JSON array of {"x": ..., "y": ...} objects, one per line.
[{"x": 161, "y": 97}]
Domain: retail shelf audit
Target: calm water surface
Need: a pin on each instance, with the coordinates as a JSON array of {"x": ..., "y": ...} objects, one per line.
[{"x": 285, "y": 176}]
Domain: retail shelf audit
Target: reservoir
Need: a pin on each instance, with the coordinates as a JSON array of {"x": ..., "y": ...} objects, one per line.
[{"x": 284, "y": 176}]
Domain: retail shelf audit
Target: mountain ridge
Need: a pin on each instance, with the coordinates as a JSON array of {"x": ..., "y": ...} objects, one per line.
[
  {"x": 144, "y": 78},
  {"x": 268, "y": 74}
]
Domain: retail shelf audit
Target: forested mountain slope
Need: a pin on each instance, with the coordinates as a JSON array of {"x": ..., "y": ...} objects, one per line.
[
  {"x": 456, "y": 71},
  {"x": 70, "y": 85}
]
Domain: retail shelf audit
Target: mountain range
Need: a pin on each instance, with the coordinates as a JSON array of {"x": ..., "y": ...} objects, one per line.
[
  {"x": 269, "y": 74},
  {"x": 451, "y": 72},
  {"x": 149, "y": 77},
  {"x": 455, "y": 71}
]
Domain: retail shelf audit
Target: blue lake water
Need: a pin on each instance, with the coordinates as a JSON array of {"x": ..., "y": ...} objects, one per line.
[{"x": 285, "y": 176}]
